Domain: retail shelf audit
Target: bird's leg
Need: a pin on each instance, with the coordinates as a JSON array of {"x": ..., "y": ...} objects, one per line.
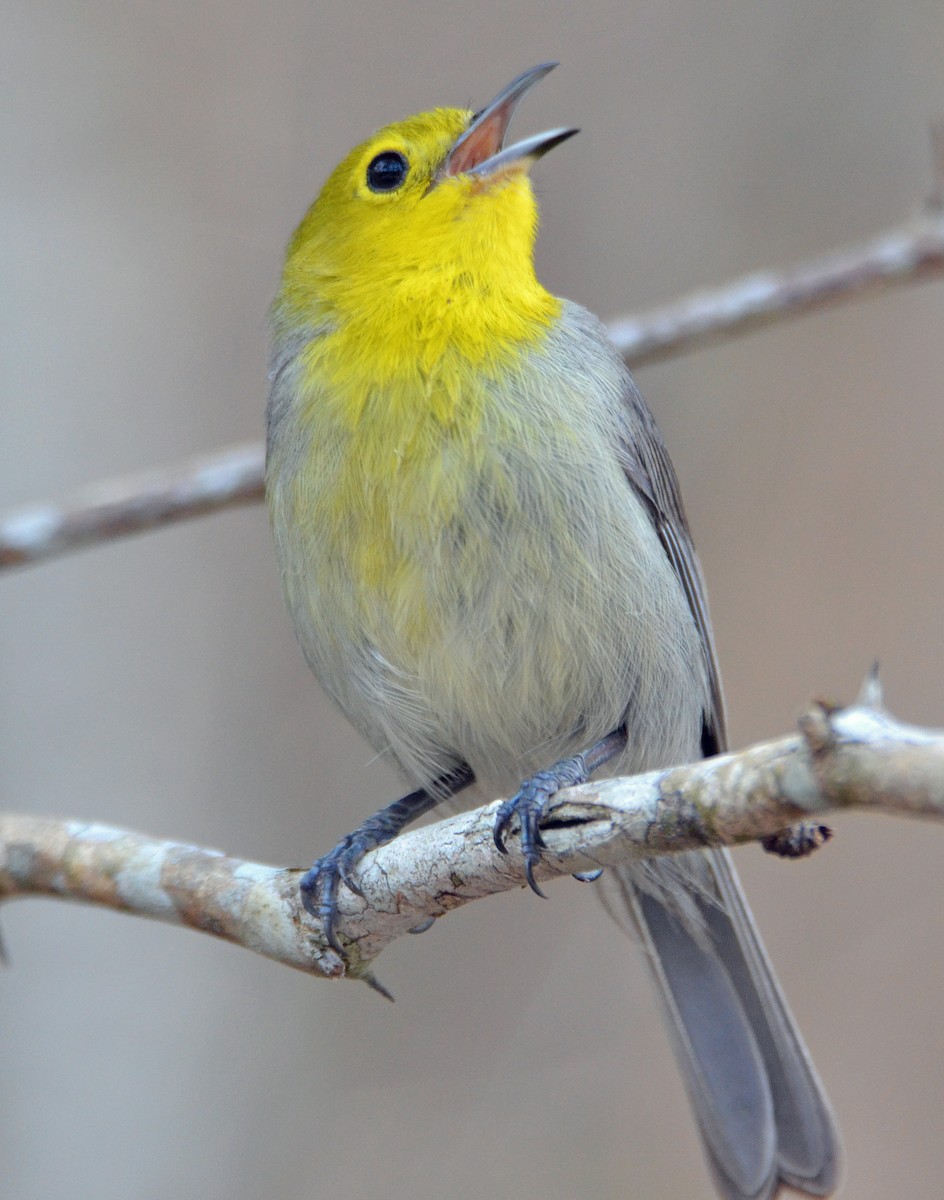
[
  {"x": 529, "y": 801},
  {"x": 319, "y": 885}
]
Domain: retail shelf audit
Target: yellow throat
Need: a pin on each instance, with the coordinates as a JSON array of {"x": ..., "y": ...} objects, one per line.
[
  {"x": 416, "y": 285},
  {"x": 410, "y": 283}
]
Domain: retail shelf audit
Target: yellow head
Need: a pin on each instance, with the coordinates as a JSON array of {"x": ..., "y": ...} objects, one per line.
[{"x": 424, "y": 233}]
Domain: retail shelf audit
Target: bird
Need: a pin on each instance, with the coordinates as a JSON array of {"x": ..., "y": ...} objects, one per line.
[{"x": 485, "y": 556}]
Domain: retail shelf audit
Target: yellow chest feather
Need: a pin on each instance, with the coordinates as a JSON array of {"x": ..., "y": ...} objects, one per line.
[{"x": 399, "y": 402}]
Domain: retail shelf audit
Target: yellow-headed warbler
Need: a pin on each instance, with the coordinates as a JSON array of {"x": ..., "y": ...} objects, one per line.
[{"x": 487, "y": 562}]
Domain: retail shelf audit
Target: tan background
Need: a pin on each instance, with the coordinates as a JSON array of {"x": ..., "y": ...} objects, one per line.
[{"x": 155, "y": 158}]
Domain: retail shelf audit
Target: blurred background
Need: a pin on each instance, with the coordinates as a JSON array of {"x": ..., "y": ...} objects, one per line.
[{"x": 156, "y": 158}]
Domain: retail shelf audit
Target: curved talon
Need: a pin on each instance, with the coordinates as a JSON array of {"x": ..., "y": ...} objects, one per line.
[
  {"x": 588, "y": 876},
  {"x": 309, "y": 889},
  {"x": 319, "y": 888},
  {"x": 531, "y": 840},
  {"x": 529, "y": 875},
  {"x": 528, "y": 805},
  {"x": 344, "y": 873},
  {"x": 502, "y": 820},
  {"x": 423, "y": 925}
]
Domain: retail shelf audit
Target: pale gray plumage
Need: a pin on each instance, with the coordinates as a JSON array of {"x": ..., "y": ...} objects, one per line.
[{"x": 626, "y": 639}]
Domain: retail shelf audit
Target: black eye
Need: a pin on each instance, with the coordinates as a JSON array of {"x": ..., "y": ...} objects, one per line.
[{"x": 387, "y": 171}]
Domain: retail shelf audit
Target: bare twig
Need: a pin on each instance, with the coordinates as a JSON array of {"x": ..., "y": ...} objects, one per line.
[
  {"x": 857, "y": 757},
  {"x": 907, "y": 254},
  {"x": 124, "y": 506},
  {"x": 935, "y": 201}
]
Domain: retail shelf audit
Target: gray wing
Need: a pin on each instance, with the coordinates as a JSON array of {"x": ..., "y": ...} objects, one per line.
[
  {"x": 761, "y": 1110},
  {"x": 646, "y": 462}
]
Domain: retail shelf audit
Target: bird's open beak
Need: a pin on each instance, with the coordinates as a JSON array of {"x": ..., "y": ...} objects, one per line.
[{"x": 480, "y": 150}]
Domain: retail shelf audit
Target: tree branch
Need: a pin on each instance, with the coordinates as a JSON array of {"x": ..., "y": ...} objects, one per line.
[
  {"x": 858, "y": 757},
  {"x": 120, "y": 507},
  {"x": 906, "y": 254}
]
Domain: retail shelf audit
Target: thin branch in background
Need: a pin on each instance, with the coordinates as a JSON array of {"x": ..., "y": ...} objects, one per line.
[
  {"x": 935, "y": 201},
  {"x": 133, "y": 505},
  {"x": 906, "y": 254},
  {"x": 858, "y": 757}
]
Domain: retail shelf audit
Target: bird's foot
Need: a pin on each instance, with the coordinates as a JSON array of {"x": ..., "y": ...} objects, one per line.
[
  {"x": 528, "y": 806},
  {"x": 319, "y": 885}
]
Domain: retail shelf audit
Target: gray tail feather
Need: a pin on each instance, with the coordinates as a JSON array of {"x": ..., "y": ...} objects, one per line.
[{"x": 763, "y": 1116}]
